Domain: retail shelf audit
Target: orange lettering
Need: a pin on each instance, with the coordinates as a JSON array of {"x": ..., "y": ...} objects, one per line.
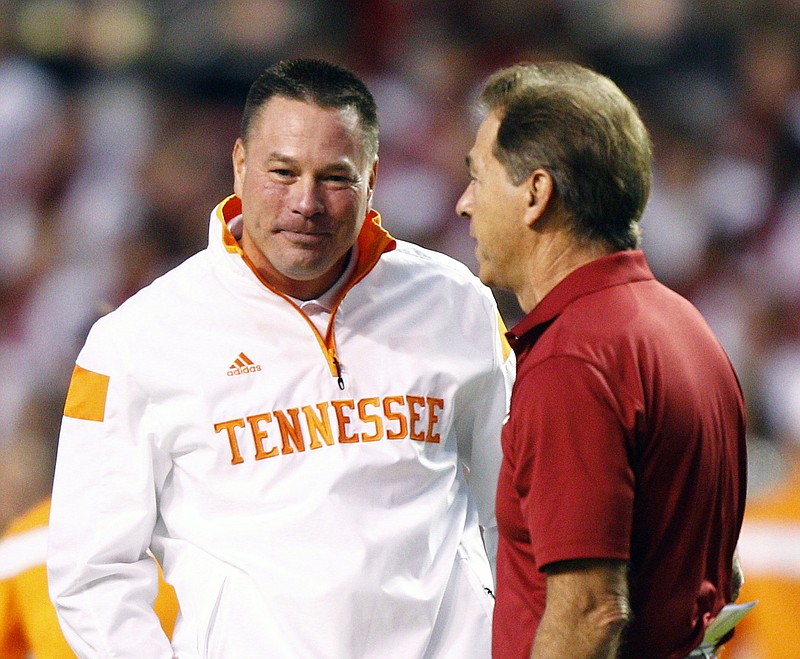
[
  {"x": 393, "y": 417},
  {"x": 402, "y": 430},
  {"x": 342, "y": 419},
  {"x": 414, "y": 416},
  {"x": 290, "y": 430},
  {"x": 370, "y": 418},
  {"x": 260, "y": 435},
  {"x": 318, "y": 426},
  {"x": 229, "y": 426},
  {"x": 433, "y": 405}
]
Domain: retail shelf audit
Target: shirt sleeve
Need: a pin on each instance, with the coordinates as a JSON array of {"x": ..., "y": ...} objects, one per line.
[
  {"x": 101, "y": 579},
  {"x": 570, "y": 462}
]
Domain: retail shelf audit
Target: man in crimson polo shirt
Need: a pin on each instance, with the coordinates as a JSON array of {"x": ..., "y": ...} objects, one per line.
[{"x": 622, "y": 488}]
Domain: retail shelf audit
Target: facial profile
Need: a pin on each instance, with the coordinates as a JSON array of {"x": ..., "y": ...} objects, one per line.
[{"x": 494, "y": 205}]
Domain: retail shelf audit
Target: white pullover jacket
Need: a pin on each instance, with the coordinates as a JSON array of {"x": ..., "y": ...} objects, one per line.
[{"x": 304, "y": 492}]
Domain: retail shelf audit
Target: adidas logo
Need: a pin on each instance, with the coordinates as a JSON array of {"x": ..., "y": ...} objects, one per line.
[{"x": 241, "y": 365}]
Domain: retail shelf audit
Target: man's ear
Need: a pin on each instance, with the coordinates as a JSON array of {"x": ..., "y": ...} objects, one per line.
[
  {"x": 540, "y": 193},
  {"x": 239, "y": 167},
  {"x": 371, "y": 184}
]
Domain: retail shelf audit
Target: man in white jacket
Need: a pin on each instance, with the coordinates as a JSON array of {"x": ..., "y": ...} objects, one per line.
[{"x": 301, "y": 422}]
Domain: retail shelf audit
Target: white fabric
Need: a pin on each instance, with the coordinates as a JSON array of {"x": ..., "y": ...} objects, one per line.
[
  {"x": 351, "y": 550},
  {"x": 21, "y": 552}
]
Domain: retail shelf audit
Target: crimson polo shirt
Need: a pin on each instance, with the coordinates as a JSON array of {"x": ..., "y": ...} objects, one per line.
[{"x": 625, "y": 440}]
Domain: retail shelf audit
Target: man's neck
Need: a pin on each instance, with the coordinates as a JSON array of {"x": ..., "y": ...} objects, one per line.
[{"x": 552, "y": 260}]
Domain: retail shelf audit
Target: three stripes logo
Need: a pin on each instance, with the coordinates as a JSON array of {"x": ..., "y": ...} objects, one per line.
[{"x": 241, "y": 365}]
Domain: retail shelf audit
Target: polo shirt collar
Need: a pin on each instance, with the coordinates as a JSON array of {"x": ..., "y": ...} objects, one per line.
[
  {"x": 613, "y": 270},
  {"x": 327, "y": 299}
]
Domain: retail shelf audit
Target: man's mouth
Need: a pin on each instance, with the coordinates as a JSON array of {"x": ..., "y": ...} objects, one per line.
[{"x": 305, "y": 237}]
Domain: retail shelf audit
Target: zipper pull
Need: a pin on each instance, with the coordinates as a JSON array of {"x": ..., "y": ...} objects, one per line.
[{"x": 339, "y": 379}]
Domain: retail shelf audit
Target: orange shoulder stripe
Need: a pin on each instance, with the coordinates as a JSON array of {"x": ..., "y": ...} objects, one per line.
[{"x": 86, "y": 398}]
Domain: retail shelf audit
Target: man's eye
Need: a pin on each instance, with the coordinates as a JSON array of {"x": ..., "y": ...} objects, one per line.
[
  {"x": 338, "y": 179},
  {"x": 282, "y": 172}
]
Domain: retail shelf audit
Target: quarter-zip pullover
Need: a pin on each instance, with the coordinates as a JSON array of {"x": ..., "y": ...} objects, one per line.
[{"x": 307, "y": 493}]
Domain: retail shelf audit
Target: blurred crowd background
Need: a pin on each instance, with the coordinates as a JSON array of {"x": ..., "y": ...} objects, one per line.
[{"x": 117, "y": 119}]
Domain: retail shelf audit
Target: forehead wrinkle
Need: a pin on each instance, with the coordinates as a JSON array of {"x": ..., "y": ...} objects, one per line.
[{"x": 277, "y": 155}]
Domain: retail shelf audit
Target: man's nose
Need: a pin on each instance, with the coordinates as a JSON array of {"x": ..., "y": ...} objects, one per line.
[
  {"x": 464, "y": 205},
  {"x": 307, "y": 198}
]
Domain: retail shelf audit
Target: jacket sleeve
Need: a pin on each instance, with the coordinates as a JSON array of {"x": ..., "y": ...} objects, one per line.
[
  {"x": 101, "y": 579},
  {"x": 482, "y": 411}
]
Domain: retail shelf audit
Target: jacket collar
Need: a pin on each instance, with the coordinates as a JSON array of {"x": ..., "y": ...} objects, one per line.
[{"x": 373, "y": 240}]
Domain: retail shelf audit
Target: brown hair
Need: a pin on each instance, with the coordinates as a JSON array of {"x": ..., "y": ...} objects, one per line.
[
  {"x": 580, "y": 127},
  {"x": 321, "y": 83}
]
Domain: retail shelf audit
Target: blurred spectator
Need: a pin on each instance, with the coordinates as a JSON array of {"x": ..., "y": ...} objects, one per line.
[
  {"x": 770, "y": 550},
  {"x": 113, "y": 116},
  {"x": 28, "y": 623}
]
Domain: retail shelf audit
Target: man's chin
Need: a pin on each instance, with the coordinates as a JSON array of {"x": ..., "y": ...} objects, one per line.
[{"x": 485, "y": 275}]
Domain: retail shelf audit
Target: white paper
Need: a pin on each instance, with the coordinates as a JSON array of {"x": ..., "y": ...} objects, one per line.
[{"x": 726, "y": 620}]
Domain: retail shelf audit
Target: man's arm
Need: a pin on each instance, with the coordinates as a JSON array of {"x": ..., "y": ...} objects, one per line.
[
  {"x": 101, "y": 579},
  {"x": 586, "y": 610}
]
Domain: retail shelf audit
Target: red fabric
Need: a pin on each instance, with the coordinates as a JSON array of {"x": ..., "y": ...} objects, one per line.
[{"x": 626, "y": 440}]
